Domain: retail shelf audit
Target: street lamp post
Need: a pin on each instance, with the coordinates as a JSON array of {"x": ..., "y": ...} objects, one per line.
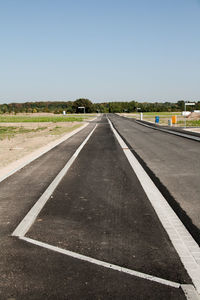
[
  {"x": 82, "y": 107},
  {"x": 186, "y": 104},
  {"x": 141, "y": 113}
]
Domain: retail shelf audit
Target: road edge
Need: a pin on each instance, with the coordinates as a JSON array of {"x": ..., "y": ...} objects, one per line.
[{"x": 37, "y": 153}]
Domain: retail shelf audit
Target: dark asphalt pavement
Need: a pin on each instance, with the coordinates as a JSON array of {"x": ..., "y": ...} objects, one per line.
[
  {"x": 173, "y": 163},
  {"x": 100, "y": 210}
]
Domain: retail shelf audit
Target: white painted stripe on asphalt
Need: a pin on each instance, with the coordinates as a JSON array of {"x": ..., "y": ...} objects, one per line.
[
  {"x": 29, "y": 219},
  {"x": 186, "y": 247},
  {"x": 102, "y": 263},
  {"x": 66, "y": 137},
  {"x": 190, "y": 292}
]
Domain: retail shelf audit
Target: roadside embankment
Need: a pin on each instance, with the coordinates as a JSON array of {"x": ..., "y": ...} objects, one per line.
[{"x": 21, "y": 143}]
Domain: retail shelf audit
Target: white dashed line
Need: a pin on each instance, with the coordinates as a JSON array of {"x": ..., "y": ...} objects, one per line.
[{"x": 186, "y": 247}]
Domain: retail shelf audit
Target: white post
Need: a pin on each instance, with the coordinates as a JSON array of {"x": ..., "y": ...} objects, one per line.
[
  {"x": 170, "y": 122},
  {"x": 82, "y": 107},
  {"x": 188, "y": 103},
  {"x": 185, "y": 116}
]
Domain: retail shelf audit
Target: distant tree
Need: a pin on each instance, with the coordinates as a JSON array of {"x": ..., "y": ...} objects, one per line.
[
  {"x": 83, "y": 103},
  {"x": 181, "y": 104},
  {"x": 132, "y": 106},
  {"x": 198, "y": 105},
  {"x": 104, "y": 107}
]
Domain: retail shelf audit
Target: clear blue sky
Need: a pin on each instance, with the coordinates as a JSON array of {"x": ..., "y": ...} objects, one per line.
[{"x": 144, "y": 50}]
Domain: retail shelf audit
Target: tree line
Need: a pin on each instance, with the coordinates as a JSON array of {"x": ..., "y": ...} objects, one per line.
[{"x": 69, "y": 107}]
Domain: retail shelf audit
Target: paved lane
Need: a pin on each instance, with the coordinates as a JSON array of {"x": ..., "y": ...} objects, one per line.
[
  {"x": 23, "y": 189},
  {"x": 174, "y": 164},
  {"x": 100, "y": 210},
  {"x": 31, "y": 273}
]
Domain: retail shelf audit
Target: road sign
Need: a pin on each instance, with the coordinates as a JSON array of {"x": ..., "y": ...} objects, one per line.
[{"x": 190, "y": 103}]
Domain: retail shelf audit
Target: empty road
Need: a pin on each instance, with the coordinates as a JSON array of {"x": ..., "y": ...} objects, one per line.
[{"x": 99, "y": 236}]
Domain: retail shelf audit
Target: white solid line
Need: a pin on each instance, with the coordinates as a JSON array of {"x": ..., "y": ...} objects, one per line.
[
  {"x": 37, "y": 155},
  {"x": 102, "y": 263},
  {"x": 178, "y": 234},
  {"x": 29, "y": 219}
]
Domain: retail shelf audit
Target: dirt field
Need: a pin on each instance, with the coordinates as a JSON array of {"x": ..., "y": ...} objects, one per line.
[
  {"x": 193, "y": 120},
  {"x": 19, "y": 139}
]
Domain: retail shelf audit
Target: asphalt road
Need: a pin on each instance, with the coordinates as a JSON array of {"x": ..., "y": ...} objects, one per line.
[
  {"x": 98, "y": 210},
  {"x": 173, "y": 163}
]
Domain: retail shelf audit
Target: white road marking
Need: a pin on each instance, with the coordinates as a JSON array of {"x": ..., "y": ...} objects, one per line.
[
  {"x": 190, "y": 292},
  {"x": 186, "y": 247},
  {"x": 29, "y": 219},
  {"x": 102, "y": 263}
]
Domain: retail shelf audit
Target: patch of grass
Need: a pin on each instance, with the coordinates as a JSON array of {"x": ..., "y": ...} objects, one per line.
[
  {"x": 26, "y": 130},
  {"x": 153, "y": 114},
  {"x": 82, "y": 115},
  {"x": 58, "y": 130},
  {"x": 195, "y": 123},
  {"x": 163, "y": 113},
  {"x": 7, "y": 132},
  {"x": 10, "y": 131},
  {"x": 7, "y": 129},
  {"x": 55, "y": 119}
]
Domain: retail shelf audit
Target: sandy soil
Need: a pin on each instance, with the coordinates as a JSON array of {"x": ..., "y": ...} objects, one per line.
[
  {"x": 194, "y": 116},
  {"x": 193, "y": 129},
  {"x": 22, "y": 144}
]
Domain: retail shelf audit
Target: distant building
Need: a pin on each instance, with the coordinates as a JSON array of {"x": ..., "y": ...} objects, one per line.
[{"x": 185, "y": 113}]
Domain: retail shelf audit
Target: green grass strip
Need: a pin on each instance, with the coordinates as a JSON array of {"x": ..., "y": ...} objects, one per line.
[
  {"x": 54, "y": 119},
  {"x": 190, "y": 123}
]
